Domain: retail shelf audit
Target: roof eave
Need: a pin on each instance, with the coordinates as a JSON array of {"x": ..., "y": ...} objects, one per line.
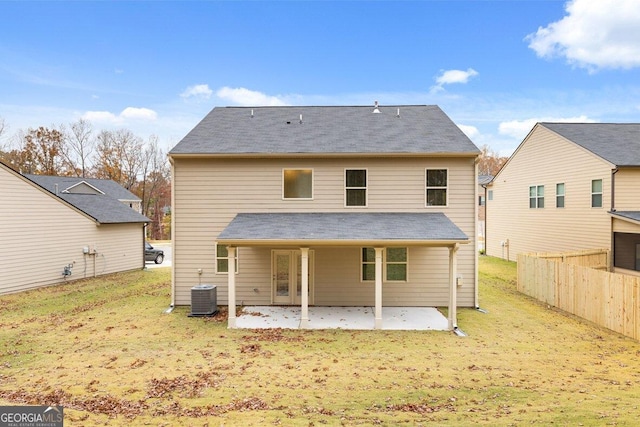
[
  {"x": 340, "y": 242},
  {"x": 471, "y": 154}
]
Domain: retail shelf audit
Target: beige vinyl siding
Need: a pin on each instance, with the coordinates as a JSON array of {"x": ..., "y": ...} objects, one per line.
[
  {"x": 621, "y": 226},
  {"x": 41, "y": 235},
  {"x": 545, "y": 158},
  {"x": 209, "y": 192},
  {"x": 627, "y": 191}
]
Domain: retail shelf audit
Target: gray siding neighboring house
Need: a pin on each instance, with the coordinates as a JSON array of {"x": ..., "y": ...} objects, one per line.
[
  {"x": 570, "y": 186},
  {"x": 345, "y": 206},
  {"x": 56, "y": 229}
]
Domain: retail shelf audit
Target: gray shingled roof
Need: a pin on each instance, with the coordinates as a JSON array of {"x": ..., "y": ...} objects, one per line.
[
  {"x": 423, "y": 129},
  {"x": 618, "y": 143},
  {"x": 484, "y": 179},
  {"x": 104, "y": 208},
  {"x": 634, "y": 215},
  {"x": 107, "y": 186},
  {"x": 343, "y": 227}
]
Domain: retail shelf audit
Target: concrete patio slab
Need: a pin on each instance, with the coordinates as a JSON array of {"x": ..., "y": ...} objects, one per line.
[{"x": 393, "y": 318}]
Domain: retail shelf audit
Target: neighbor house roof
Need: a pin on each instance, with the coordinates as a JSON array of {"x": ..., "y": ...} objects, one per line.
[
  {"x": 63, "y": 183},
  {"x": 484, "y": 179},
  {"x": 105, "y": 208},
  {"x": 342, "y": 228},
  {"x": 400, "y": 129},
  {"x": 618, "y": 143}
]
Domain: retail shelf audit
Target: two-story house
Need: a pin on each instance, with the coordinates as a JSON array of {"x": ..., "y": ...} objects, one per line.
[
  {"x": 568, "y": 187},
  {"x": 326, "y": 206}
]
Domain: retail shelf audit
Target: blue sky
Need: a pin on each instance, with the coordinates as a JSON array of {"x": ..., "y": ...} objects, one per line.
[{"x": 157, "y": 67}]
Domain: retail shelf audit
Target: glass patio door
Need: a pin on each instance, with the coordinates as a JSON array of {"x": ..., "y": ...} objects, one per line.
[{"x": 287, "y": 277}]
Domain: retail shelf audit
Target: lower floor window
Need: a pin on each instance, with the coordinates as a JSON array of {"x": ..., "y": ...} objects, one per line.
[
  {"x": 222, "y": 259},
  {"x": 394, "y": 264}
]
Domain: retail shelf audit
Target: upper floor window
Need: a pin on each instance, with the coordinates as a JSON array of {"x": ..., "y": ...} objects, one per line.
[
  {"x": 297, "y": 184},
  {"x": 596, "y": 193},
  {"x": 490, "y": 195},
  {"x": 560, "y": 195},
  {"x": 436, "y": 187},
  {"x": 355, "y": 184},
  {"x": 536, "y": 196},
  {"x": 394, "y": 264}
]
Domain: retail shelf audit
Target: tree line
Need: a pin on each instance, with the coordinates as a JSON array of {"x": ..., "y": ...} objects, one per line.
[{"x": 78, "y": 150}]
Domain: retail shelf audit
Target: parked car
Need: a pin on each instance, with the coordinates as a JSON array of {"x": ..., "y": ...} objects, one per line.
[{"x": 153, "y": 254}]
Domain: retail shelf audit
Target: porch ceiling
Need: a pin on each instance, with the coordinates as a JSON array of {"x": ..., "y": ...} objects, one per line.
[{"x": 328, "y": 229}]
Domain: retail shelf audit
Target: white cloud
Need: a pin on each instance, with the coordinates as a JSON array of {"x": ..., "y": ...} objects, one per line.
[
  {"x": 470, "y": 131},
  {"x": 138, "y": 114},
  {"x": 197, "y": 91},
  {"x": 451, "y": 77},
  {"x": 594, "y": 34},
  {"x": 520, "y": 128},
  {"x": 246, "y": 97},
  {"x": 128, "y": 114}
]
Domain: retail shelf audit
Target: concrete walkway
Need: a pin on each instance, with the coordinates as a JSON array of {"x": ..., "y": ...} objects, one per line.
[{"x": 393, "y": 318}]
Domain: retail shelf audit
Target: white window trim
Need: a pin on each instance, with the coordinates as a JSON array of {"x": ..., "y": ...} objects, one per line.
[
  {"x": 601, "y": 193},
  {"x": 564, "y": 195},
  {"x": 536, "y": 186},
  {"x": 224, "y": 273},
  {"x": 427, "y": 188},
  {"x": 384, "y": 265},
  {"x": 365, "y": 188},
  {"x": 313, "y": 183}
]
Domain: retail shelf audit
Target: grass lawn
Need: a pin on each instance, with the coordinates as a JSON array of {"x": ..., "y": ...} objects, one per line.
[{"x": 106, "y": 351}]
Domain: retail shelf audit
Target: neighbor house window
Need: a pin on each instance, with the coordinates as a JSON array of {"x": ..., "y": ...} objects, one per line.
[
  {"x": 596, "y": 193},
  {"x": 536, "y": 196},
  {"x": 394, "y": 264},
  {"x": 560, "y": 195},
  {"x": 490, "y": 194},
  {"x": 222, "y": 259},
  {"x": 355, "y": 184},
  {"x": 480, "y": 200},
  {"x": 436, "y": 187},
  {"x": 297, "y": 184}
]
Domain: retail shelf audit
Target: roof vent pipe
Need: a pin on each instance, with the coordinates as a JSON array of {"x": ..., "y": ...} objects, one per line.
[
  {"x": 56, "y": 187},
  {"x": 252, "y": 113},
  {"x": 300, "y": 118},
  {"x": 398, "y": 113},
  {"x": 375, "y": 109}
]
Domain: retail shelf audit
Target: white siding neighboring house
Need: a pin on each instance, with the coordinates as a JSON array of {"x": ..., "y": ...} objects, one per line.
[
  {"x": 567, "y": 187},
  {"x": 56, "y": 229},
  {"x": 326, "y": 206}
]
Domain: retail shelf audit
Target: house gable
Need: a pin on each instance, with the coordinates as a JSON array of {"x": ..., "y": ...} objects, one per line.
[{"x": 547, "y": 163}]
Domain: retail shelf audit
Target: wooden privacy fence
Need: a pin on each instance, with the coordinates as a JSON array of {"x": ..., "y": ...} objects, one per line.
[{"x": 608, "y": 299}]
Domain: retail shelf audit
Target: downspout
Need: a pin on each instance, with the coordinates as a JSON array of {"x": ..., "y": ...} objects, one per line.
[
  {"x": 613, "y": 209},
  {"x": 173, "y": 236}
]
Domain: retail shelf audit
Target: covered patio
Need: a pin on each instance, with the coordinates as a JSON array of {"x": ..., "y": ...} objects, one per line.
[
  {"x": 358, "y": 318},
  {"x": 375, "y": 230}
]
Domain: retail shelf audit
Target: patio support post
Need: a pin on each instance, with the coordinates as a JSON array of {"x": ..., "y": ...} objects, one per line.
[
  {"x": 453, "y": 297},
  {"x": 378, "y": 314},
  {"x": 231, "y": 277},
  {"x": 304, "y": 318}
]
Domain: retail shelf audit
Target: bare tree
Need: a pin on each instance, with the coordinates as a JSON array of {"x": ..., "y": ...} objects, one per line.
[
  {"x": 118, "y": 157},
  {"x": 79, "y": 147},
  {"x": 490, "y": 162},
  {"x": 154, "y": 187}
]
